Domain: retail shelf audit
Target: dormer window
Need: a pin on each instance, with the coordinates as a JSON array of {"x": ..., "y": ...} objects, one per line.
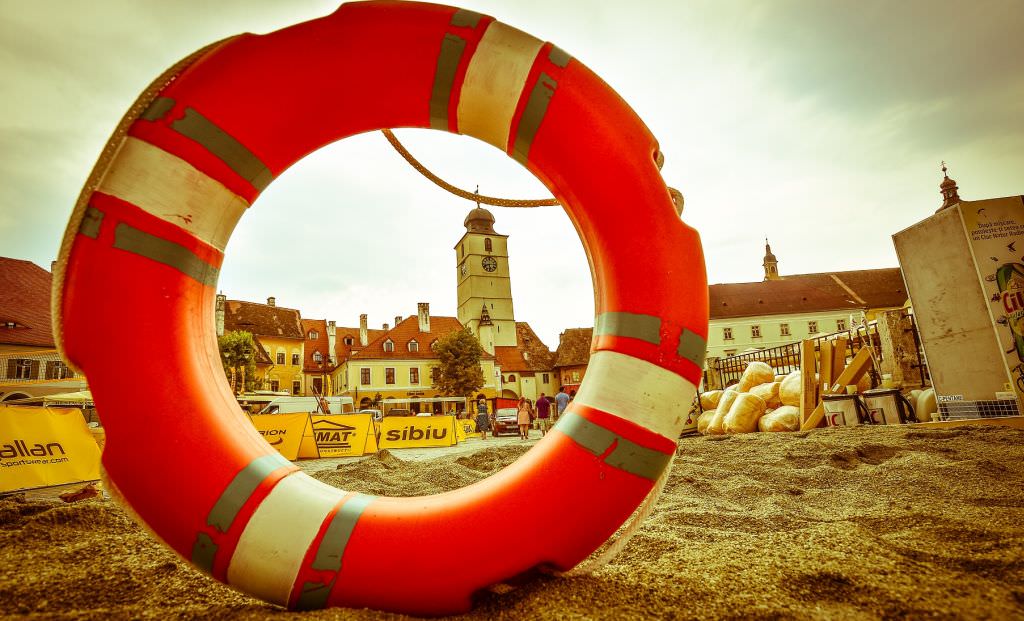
[
  {"x": 413, "y": 345},
  {"x": 433, "y": 345},
  {"x": 389, "y": 345},
  {"x": 313, "y": 335},
  {"x": 318, "y": 357},
  {"x": 348, "y": 340}
]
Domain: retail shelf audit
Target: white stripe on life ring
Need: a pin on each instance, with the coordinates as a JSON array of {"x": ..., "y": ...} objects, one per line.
[
  {"x": 171, "y": 189},
  {"x": 638, "y": 391},
  {"x": 274, "y": 542},
  {"x": 494, "y": 80}
]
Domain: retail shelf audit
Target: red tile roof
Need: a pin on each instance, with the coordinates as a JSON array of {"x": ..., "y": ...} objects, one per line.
[
  {"x": 262, "y": 320},
  {"x": 531, "y": 354},
  {"x": 806, "y": 293},
  {"x": 25, "y": 301},
  {"x": 319, "y": 344},
  {"x": 402, "y": 334},
  {"x": 574, "y": 347}
]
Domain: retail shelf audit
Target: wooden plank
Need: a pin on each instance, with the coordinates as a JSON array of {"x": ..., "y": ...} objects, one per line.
[
  {"x": 825, "y": 374},
  {"x": 850, "y": 375},
  {"x": 808, "y": 383},
  {"x": 839, "y": 355}
]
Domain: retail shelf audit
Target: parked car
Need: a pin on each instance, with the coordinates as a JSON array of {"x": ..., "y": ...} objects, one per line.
[
  {"x": 398, "y": 412},
  {"x": 376, "y": 414},
  {"x": 506, "y": 420}
]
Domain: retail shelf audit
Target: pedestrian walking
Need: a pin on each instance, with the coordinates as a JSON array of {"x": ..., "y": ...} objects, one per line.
[
  {"x": 483, "y": 422},
  {"x": 524, "y": 417},
  {"x": 561, "y": 401},
  {"x": 543, "y": 414}
]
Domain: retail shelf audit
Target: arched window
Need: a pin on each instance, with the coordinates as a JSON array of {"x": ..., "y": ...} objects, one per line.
[
  {"x": 413, "y": 345},
  {"x": 487, "y": 244},
  {"x": 389, "y": 345},
  {"x": 511, "y": 378}
]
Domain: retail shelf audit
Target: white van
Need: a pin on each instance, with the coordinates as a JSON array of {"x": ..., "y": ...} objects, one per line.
[{"x": 292, "y": 405}]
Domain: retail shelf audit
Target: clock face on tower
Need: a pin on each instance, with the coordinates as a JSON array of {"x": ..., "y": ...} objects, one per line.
[{"x": 489, "y": 264}]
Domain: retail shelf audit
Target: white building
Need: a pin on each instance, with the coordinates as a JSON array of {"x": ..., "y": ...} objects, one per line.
[{"x": 784, "y": 309}]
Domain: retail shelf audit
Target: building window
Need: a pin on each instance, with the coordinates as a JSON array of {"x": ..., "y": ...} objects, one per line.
[
  {"x": 56, "y": 369},
  {"x": 364, "y": 376},
  {"x": 318, "y": 357},
  {"x": 544, "y": 378},
  {"x": 20, "y": 368},
  {"x": 812, "y": 327},
  {"x": 280, "y": 357},
  {"x": 295, "y": 360},
  {"x": 433, "y": 345},
  {"x": 435, "y": 374},
  {"x": 840, "y": 324},
  {"x": 389, "y": 345},
  {"x": 414, "y": 375},
  {"x": 730, "y": 352},
  {"x": 511, "y": 378},
  {"x": 755, "y": 332},
  {"x": 575, "y": 376},
  {"x": 783, "y": 329},
  {"x": 318, "y": 385},
  {"x": 487, "y": 245},
  {"x": 296, "y": 387},
  {"x": 462, "y": 250},
  {"x": 275, "y": 385},
  {"x": 413, "y": 345},
  {"x": 313, "y": 335},
  {"x": 727, "y": 334},
  {"x": 389, "y": 375},
  {"x": 348, "y": 340}
]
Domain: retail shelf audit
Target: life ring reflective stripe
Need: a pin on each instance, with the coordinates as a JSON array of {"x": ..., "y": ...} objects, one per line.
[{"x": 139, "y": 289}]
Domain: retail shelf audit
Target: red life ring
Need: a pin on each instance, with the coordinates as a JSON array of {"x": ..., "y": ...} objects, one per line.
[{"x": 135, "y": 287}]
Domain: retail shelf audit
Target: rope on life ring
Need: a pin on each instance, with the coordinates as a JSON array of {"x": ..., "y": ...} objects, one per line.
[{"x": 138, "y": 270}]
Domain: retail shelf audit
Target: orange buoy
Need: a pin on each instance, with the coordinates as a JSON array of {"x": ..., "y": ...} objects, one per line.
[{"x": 138, "y": 268}]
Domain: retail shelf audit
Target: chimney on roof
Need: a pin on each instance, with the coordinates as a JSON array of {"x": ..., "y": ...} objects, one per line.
[
  {"x": 271, "y": 301},
  {"x": 386, "y": 327},
  {"x": 221, "y": 302},
  {"x": 423, "y": 311},
  {"x": 363, "y": 340},
  {"x": 53, "y": 266},
  {"x": 398, "y": 320},
  {"x": 332, "y": 328}
]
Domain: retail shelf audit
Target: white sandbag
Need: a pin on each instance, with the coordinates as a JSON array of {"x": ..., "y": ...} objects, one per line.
[
  {"x": 715, "y": 425},
  {"x": 755, "y": 373},
  {"x": 709, "y": 400},
  {"x": 704, "y": 420},
  {"x": 744, "y": 413},
  {"x": 789, "y": 389},
  {"x": 785, "y": 418},
  {"x": 769, "y": 393}
]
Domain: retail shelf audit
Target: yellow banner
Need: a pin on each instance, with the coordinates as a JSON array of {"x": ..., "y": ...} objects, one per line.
[
  {"x": 45, "y": 446},
  {"x": 344, "y": 435},
  {"x": 282, "y": 431},
  {"x": 417, "y": 431},
  {"x": 464, "y": 427}
]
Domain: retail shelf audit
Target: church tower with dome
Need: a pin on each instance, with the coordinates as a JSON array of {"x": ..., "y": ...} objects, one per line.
[{"x": 484, "y": 289}]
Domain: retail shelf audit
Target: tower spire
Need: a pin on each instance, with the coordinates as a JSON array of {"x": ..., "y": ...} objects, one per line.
[
  {"x": 948, "y": 189},
  {"x": 771, "y": 264}
]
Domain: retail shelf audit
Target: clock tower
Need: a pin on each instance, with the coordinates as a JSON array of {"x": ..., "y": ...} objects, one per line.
[{"x": 484, "y": 285}]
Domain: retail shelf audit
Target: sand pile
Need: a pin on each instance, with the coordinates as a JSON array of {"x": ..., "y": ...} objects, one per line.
[{"x": 856, "y": 523}]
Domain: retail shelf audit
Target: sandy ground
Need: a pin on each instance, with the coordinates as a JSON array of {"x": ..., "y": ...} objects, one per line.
[{"x": 859, "y": 523}]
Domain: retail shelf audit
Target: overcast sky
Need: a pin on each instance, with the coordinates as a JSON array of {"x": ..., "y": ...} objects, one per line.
[{"x": 817, "y": 124}]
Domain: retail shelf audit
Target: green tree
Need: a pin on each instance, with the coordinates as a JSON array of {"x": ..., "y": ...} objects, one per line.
[
  {"x": 238, "y": 352},
  {"x": 459, "y": 373}
]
